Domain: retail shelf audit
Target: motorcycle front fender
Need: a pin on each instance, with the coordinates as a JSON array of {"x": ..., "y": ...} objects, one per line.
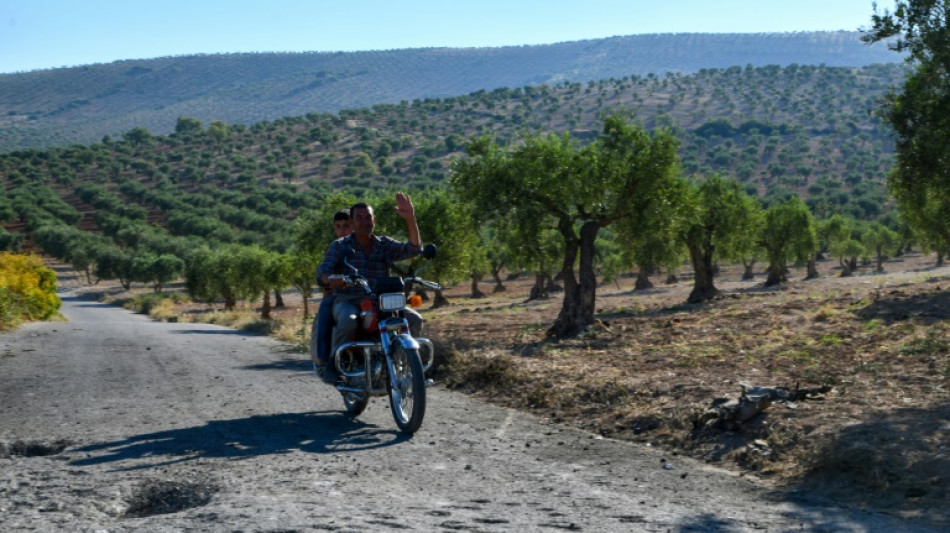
[{"x": 406, "y": 341}]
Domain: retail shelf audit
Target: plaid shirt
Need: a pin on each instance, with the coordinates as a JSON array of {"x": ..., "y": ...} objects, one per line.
[{"x": 385, "y": 252}]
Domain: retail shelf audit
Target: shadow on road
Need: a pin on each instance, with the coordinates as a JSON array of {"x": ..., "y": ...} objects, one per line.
[
  {"x": 215, "y": 332},
  {"x": 294, "y": 365},
  {"x": 315, "y": 432}
]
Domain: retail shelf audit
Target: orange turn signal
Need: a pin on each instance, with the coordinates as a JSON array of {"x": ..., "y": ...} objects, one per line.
[{"x": 415, "y": 300}]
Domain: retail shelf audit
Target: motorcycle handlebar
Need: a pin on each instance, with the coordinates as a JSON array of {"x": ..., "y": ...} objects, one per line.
[
  {"x": 357, "y": 279},
  {"x": 430, "y": 284}
]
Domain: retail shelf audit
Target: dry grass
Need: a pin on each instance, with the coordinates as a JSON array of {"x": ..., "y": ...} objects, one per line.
[{"x": 880, "y": 341}]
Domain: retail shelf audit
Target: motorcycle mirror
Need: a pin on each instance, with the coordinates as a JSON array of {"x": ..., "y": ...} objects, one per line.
[{"x": 429, "y": 251}]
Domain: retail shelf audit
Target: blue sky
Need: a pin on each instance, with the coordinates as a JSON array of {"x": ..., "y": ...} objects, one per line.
[{"x": 39, "y": 34}]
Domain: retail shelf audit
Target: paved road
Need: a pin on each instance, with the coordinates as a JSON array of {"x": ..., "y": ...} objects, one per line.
[{"x": 112, "y": 422}]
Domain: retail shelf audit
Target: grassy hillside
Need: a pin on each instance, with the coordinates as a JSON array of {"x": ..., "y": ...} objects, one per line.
[
  {"x": 59, "y": 107},
  {"x": 780, "y": 131}
]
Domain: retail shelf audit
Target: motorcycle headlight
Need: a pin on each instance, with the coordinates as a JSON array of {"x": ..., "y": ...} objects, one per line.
[{"x": 392, "y": 301}]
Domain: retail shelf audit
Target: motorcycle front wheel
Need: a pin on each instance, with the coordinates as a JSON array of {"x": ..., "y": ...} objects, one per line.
[{"x": 407, "y": 389}]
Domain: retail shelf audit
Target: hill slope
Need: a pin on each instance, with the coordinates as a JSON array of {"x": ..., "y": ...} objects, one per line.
[
  {"x": 798, "y": 130},
  {"x": 82, "y": 104}
]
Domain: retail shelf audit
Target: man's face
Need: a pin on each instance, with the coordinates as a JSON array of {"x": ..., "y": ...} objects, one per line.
[
  {"x": 341, "y": 228},
  {"x": 362, "y": 221}
]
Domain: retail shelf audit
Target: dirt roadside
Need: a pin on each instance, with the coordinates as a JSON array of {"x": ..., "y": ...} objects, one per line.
[{"x": 879, "y": 438}]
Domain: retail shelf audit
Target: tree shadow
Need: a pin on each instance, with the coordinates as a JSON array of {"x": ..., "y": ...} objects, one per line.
[
  {"x": 314, "y": 432},
  {"x": 643, "y": 292},
  {"x": 86, "y": 301},
  {"x": 892, "y": 461},
  {"x": 924, "y": 308},
  {"x": 708, "y": 522}
]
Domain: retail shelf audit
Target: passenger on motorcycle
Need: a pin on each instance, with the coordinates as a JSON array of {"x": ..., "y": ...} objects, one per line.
[
  {"x": 320, "y": 333},
  {"x": 372, "y": 255}
]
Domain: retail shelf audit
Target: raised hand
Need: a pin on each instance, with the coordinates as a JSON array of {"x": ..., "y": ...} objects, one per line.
[{"x": 404, "y": 206}]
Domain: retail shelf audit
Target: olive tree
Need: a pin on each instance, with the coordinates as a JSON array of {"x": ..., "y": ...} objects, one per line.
[
  {"x": 882, "y": 240},
  {"x": 843, "y": 242},
  {"x": 578, "y": 189},
  {"x": 721, "y": 222},
  {"x": 919, "y": 112},
  {"x": 448, "y": 222},
  {"x": 788, "y": 233}
]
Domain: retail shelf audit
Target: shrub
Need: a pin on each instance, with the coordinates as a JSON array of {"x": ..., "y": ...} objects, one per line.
[{"x": 27, "y": 290}]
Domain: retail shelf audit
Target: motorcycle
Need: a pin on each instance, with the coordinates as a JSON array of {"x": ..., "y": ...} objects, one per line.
[{"x": 384, "y": 358}]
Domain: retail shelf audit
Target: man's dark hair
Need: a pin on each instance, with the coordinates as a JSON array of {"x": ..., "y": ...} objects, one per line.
[
  {"x": 342, "y": 214},
  {"x": 361, "y": 205}
]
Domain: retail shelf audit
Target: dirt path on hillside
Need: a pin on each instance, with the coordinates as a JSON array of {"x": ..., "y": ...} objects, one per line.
[{"x": 110, "y": 421}]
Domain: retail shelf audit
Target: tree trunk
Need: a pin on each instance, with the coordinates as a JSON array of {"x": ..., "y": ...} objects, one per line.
[
  {"x": 577, "y": 310},
  {"x": 476, "y": 292},
  {"x": 845, "y": 267},
  {"x": 776, "y": 275},
  {"x": 748, "y": 271},
  {"x": 550, "y": 284},
  {"x": 812, "y": 268},
  {"x": 278, "y": 299},
  {"x": 939, "y": 259},
  {"x": 671, "y": 277},
  {"x": 496, "y": 274},
  {"x": 731, "y": 414},
  {"x": 306, "y": 306},
  {"x": 537, "y": 290},
  {"x": 440, "y": 300},
  {"x": 265, "y": 306},
  {"x": 703, "y": 269},
  {"x": 643, "y": 279}
]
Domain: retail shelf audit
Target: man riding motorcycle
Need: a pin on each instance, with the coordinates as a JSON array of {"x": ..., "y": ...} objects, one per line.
[{"x": 372, "y": 256}]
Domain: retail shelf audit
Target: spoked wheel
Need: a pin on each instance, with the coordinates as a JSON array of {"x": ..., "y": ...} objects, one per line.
[{"x": 407, "y": 390}]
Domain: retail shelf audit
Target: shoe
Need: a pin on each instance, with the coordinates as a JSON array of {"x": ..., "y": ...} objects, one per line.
[{"x": 326, "y": 373}]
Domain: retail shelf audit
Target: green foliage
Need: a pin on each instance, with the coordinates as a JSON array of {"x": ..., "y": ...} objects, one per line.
[
  {"x": 230, "y": 273},
  {"x": 787, "y": 234},
  {"x": 27, "y": 290},
  {"x": 157, "y": 270},
  {"x": 804, "y": 130},
  {"x": 719, "y": 221},
  {"x": 551, "y": 182},
  {"x": 188, "y": 125},
  {"x": 10, "y": 242},
  {"x": 880, "y": 239},
  {"x": 920, "y": 112},
  {"x": 448, "y": 222}
]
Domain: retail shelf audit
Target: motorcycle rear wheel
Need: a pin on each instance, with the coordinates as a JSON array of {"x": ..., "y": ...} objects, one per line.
[
  {"x": 407, "y": 390},
  {"x": 354, "y": 402}
]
